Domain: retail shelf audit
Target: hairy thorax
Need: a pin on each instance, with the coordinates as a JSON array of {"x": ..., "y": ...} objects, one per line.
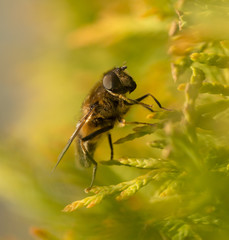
[{"x": 108, "y": 110}]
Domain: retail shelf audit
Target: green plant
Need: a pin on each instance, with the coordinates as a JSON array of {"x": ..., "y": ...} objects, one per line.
[
  {"x": 173, "y": 189},
  {"x": 194, "y": 162}
]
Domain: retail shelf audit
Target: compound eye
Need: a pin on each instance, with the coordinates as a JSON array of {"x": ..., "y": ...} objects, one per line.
[{"x": 111, "y": 81}]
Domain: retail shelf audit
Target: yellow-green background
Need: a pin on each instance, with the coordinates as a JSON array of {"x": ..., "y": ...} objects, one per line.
[{"x": 52, "y": 53}]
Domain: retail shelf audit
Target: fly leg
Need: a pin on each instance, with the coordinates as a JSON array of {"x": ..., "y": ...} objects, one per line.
[
  {"x": 138, "y": 101},
  {"x": 111, "y": 146},
  {"x": 147, "y": 95},
  {"x": 129, "y": 101},
  {"x": 123, "y": 121},
  {"x": 93, "y": 162},
  {"x": 87, "y": 138}
]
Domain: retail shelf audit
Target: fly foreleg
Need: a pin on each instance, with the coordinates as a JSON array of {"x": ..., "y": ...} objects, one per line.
[{"x": 147, "y": 95}]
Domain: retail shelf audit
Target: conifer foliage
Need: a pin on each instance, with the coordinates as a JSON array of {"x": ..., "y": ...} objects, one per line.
[{"x": 178, "y": 188}]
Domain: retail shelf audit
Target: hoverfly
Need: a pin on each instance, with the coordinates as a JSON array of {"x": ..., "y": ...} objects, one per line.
[{"x": 103, "y": 107}]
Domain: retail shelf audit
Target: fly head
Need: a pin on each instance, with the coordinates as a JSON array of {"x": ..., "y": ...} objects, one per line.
[{"x": 118, "y": 81}]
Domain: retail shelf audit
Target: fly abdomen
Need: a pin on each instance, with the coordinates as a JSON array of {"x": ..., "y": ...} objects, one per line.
[{"x": 85, "y": 151}]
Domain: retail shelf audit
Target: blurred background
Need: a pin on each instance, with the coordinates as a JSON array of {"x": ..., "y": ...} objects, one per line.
[{"x": 52, "y": 53}]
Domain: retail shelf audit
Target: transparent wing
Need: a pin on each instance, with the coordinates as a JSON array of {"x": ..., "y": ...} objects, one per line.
[{"x": 78, "y": 127}]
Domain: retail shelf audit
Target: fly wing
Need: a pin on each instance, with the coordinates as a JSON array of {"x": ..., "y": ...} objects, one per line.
[{"x": 78, "y": 127}]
